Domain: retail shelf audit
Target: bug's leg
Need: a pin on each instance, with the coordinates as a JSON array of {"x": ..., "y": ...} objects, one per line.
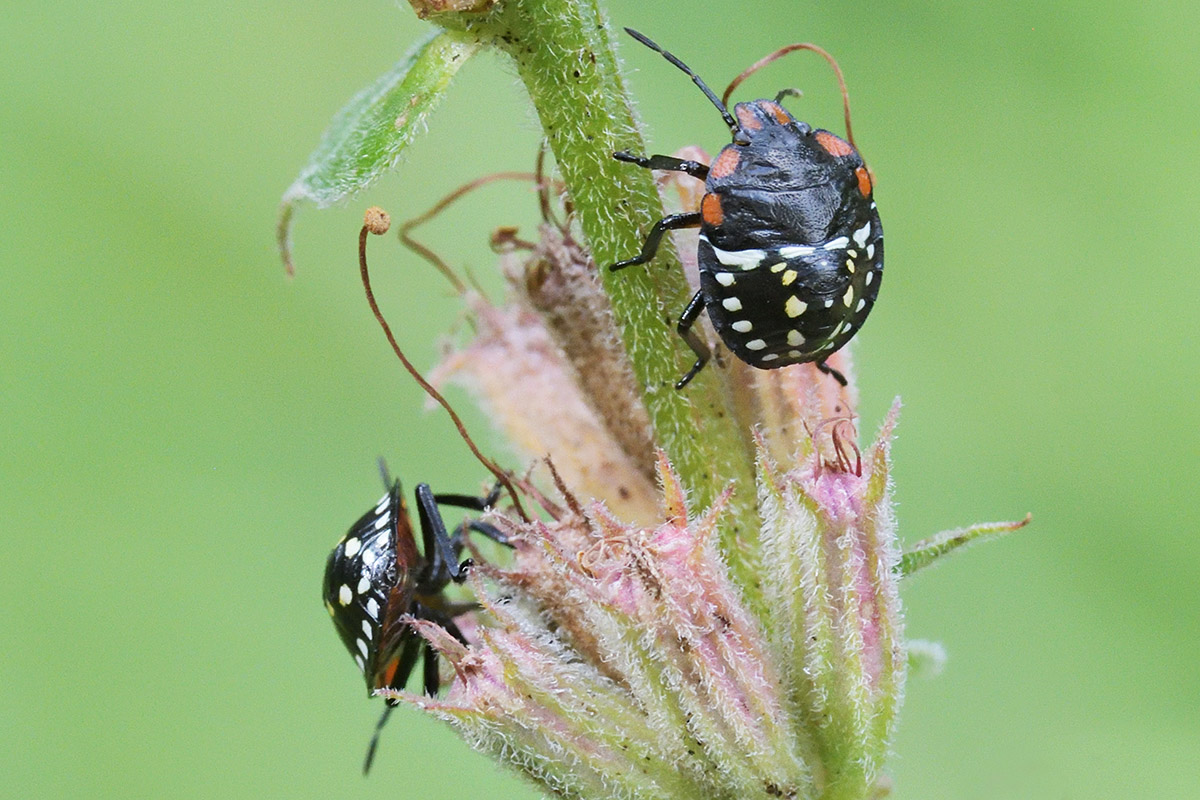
[
  {"x": 459, "y": 537},
  {"x": 475, "y": 504},
  {"x": 431, "y": 680},
  {"x": 409, "y": 652},
  {"x": 471, "y": 501},
  {"x": 698, "y": 345},
  {"x": 439, "y": 551},
  {"x": 383, "y": 718},
  {"x": 693, "y": 168},
  {"x": 828, "y": 370},
  {"x": 650, "y": 247}
]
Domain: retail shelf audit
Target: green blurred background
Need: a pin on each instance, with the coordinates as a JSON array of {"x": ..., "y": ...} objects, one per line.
[{"x": 185, "y": 432}]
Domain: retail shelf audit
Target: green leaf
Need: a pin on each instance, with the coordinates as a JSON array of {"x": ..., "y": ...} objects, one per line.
[
  {"x": 926, "y": 551},
  {"x": 366, "y": 138}
]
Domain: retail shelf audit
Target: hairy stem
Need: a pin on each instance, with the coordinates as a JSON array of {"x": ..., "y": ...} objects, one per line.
[{"x": 565, "y": 55}]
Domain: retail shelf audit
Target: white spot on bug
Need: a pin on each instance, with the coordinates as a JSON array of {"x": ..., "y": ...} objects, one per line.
[
  {"x": 870, "y": 251},
  {"x": 746, "y": 259},
  {"x": 364, "y": 583},
  {"x": 382, "y": 505},
  {"x": 369, "y": 557},
  {"x": 836, "y": 244},
  {"x": 329, "y": 608},
  {"x": 367, "y": 630},
  {"x": 852, "y": 253},
  {"x": 794, "y": 306},
  {"x": 860, "y": 235},
  {"x": 732, "y": 304},
  {"x": 829, "y": 302},
  {"x": 755, "y": 344},
  {"x": 861, "y": 304},
  {"x": 742, "y": 326},
  {"x": 362, "y": 665},
  {"x": 373, "y": 609},
  {"x": 345, "y": 595},
  {"x": 796, "y": 250},
  {"x": 382, "y": 521},
  {"x": 769, "y": 357},
  {"x": 362, "y": 647},
  {"x": 872, "y": 205},
  {"x": 795, "y": 354},
  {"x": 352, "y": 547},
  {"x": 789, "y": 276},
  {"x": 795, "y": 338},
  {"x": 848, "y": 297},
  {"x": 724, "y": 278},
  {"x": 850, "y": 265},
  {"x": 870, "y": 277}
]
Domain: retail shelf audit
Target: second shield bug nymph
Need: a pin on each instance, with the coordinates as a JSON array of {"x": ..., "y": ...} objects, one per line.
[
  {"x": 375, "y": 576},
  {"x": 791, "y": 246}
]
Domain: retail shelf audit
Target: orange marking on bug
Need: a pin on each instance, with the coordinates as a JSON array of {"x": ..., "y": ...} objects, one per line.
[
  {"x": 775, "y": 110},
  {"x": 710, "y": 210},
  {"x": 725, "y": 164},
  {"x": 864, "y": 181},
  {"x": 834, "y": 145},
  {"x": 389, "y": 674},
  {"x": 747, "y": 119}
]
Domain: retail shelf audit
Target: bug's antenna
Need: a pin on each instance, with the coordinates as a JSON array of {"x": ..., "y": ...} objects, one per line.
[
  {"x": 385, "y": 473},
  {"x": 716, "y": 101},
  {"x": 387, "y": 712},
  {"x": 377, "y": 222},
  {"x": 791, "y": 48}
]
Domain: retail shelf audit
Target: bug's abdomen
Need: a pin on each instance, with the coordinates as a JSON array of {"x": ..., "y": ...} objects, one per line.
[{"x": 787, "y": 304}]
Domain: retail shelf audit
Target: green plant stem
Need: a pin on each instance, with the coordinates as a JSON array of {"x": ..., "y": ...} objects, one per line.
[{"x": 565, "y": 56}]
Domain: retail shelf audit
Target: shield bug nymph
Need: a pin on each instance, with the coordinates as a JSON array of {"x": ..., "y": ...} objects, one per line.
[
  {"x": 791, "y": 246},
  {"x": 375, "y": 576}
]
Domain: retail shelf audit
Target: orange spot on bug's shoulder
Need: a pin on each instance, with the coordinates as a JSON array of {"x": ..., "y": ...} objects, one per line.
[
  {"x": 746, "y": 117},
  {"x": 710, "y": 210},
  {"x": 833, "y": 145},
  {"x": 775, "y": 110},
  {"x": 864, "y": 181},
  {"x": 725, "y": 164}
]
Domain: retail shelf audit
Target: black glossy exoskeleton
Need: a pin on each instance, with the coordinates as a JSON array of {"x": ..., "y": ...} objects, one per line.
[
  {"x": 375, "y": 575},
  {"x": 791, "y": 247}
]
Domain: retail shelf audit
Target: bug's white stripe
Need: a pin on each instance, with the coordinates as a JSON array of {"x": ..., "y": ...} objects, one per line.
[
  {"x": 836, "y": 244},
  {"x": 746, "y": 259},
  {"x": 796, "y": 250}
]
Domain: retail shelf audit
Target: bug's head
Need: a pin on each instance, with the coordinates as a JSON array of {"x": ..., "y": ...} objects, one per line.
[
  {"x": 763, "y": 119},
  {"x": 369, "y": 584}
]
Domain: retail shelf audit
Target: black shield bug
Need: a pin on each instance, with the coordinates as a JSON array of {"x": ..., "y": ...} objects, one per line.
[
  {"x": 375, "y": 576},
  {"x": 791, "y": 247}
]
